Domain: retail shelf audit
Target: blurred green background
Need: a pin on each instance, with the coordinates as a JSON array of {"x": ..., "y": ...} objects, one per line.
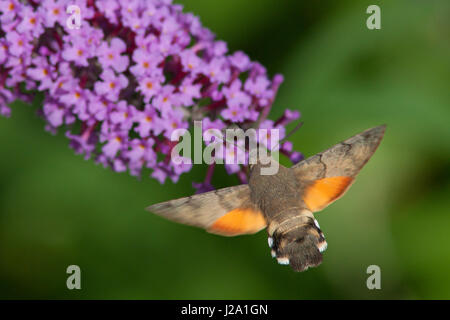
[{"x": 57, "y": 209}]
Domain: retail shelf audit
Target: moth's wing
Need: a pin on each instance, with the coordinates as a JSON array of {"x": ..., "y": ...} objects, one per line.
[
  {"x": 228, "y": 211},
  {"x": 326, "y": 176}
]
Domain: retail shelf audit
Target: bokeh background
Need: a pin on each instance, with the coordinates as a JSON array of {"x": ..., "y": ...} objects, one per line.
[{"x": 57, "y": 209}]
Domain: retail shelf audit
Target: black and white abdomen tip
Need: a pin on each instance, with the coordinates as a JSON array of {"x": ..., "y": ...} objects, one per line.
[{"x": 300, "y": 247}]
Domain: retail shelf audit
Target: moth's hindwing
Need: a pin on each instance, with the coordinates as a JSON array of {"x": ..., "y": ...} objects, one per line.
[
  {"x": 322, "y": 192},
  {"x": 326, "y": 176},
  {"x": 227, "y": 211}
]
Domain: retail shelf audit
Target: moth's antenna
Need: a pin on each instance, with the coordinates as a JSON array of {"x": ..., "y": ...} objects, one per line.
[
  {"x": 252, "y": 140},
  {"x": 223, "y": 133},
  {"x": 298, "y": 126}
]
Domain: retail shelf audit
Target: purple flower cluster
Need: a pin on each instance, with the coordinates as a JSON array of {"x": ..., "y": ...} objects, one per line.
[{"x": 131, "y": 74}]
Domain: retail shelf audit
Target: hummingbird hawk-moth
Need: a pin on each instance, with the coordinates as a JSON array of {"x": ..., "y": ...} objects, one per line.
[{"x": 283, "y": 203}]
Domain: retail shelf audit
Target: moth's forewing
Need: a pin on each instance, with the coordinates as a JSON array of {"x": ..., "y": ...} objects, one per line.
[
  {"x": 227, "y": 211},
  {"x": 326, "y": 176}
]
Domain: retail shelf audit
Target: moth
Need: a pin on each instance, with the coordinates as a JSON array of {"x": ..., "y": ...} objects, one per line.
[{"x": 283, "y": 203}]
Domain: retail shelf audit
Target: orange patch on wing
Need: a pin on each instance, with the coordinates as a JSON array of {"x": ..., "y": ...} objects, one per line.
[
  {"x": 324, "y": 191},
  {"x": 239, "y": 221}
]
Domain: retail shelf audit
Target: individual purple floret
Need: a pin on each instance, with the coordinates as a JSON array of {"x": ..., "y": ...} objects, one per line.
[{"x": 131, "y": 74}]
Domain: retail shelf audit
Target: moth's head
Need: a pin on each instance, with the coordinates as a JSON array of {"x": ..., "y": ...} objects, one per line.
[
  {"x": 264, "y": 164},
  {"x": 300, "y": 247}
]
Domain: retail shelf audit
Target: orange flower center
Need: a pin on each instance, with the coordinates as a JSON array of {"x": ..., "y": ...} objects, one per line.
[
  {"x": 149, "y": 85},
  {"x": 112, "y": 85},
  {"x": 110, "y": 56},
  {"x": 146, "y": 64}
]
